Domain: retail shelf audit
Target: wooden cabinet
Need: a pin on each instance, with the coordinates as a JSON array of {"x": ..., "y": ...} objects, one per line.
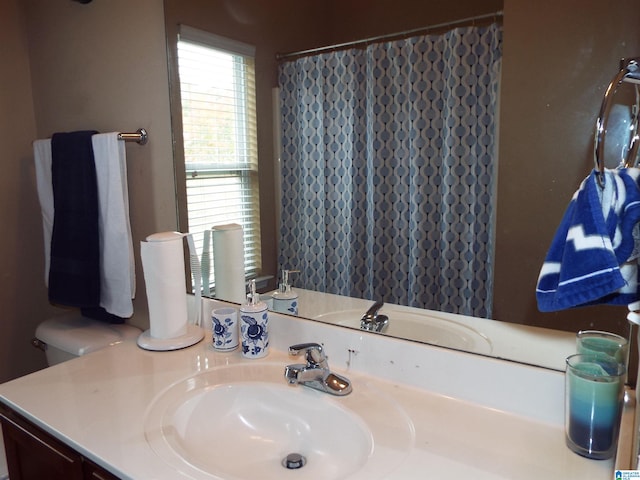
[
  {"x": 33, "y": 454},
  {"x": 94, "y": 472}
]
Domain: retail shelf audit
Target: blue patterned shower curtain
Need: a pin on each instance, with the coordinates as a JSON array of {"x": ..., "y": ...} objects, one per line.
[{"x": 389, "y": 169}]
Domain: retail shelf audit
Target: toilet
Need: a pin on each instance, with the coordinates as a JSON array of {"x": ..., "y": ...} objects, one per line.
[{"x": 71, "y": 335}]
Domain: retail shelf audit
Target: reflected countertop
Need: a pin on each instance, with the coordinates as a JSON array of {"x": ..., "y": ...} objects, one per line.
[{"x": 522, "y": 343}]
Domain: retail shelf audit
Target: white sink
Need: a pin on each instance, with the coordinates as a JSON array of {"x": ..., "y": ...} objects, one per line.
[
  {"x": 423, "y": 328},
  {"x": 242, "y": 421}
]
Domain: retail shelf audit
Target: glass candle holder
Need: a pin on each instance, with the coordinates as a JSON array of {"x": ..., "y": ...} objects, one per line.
[{"x": 594, "y": 391}]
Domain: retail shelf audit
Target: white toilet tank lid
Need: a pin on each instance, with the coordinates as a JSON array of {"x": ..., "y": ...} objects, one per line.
[{"x": 79, "y": 335}]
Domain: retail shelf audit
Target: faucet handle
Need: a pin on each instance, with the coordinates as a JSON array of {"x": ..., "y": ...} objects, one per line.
[
  {"x": 372, "y": 313},
  {"x": 313, "y": 353}
]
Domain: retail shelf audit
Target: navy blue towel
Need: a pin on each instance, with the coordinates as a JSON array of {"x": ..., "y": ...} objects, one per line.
[{"x": 74, "y": 274}]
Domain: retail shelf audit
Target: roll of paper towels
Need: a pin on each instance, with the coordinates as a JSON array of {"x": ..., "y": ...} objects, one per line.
[
  {"x": 162, "y": 257},
  {"x": 228, "y": 263}
]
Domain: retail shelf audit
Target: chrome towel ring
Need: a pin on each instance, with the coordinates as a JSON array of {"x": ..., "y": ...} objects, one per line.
[{"x": 629, "y": 72}]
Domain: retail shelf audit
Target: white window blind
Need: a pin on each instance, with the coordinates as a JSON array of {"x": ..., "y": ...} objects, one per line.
[{"x": 217, "y": 89}]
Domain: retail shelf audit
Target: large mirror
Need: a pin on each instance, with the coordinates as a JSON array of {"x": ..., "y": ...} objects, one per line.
[{"x": 557, "y": 60}]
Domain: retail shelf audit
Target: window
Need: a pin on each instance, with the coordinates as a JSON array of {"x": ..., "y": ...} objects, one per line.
[{"x": 217, "y": 89}]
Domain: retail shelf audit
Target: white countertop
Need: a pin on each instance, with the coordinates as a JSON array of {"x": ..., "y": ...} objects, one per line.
[{"x": 474, "y": 417}]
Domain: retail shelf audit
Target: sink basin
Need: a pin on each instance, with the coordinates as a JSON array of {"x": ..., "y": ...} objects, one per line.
[
  {"x": 241, "y": 422},
  {"x": 420, "y": 327}
]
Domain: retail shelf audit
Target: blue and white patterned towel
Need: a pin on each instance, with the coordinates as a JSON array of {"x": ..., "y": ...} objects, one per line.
[{"x": 593, "y": 256}]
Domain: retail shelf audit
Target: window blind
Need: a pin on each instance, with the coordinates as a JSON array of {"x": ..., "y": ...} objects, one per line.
[{"x": 217, "y": 90}]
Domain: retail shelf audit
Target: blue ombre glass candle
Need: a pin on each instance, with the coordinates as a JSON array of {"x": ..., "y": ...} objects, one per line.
[{"x": 594, "y": 392}]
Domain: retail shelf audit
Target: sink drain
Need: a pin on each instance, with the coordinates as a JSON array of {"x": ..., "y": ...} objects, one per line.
[{"x": 293, "y": 461}]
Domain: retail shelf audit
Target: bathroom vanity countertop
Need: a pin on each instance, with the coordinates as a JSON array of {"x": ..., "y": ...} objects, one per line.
[{"x": 97, "y": 405}]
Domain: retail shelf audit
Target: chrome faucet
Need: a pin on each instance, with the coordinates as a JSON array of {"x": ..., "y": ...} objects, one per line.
[
  {"x": 315, "y": 374},
  {"x": 373, "y": 321}
]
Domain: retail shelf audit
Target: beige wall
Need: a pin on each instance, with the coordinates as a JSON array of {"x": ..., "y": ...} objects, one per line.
[
  {"x": 103, "y": 66},
  {"x": 99, "y": 66},
  {"x": 22, "y": 292}
]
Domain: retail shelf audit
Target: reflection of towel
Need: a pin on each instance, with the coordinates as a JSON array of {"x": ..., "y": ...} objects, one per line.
[
  {"x": 593, "y": 256},
  {"x": 117, "y": 274},
  {"x": 75, "y": 256}
]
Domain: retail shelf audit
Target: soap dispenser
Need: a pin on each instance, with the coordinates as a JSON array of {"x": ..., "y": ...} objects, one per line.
[
  {"x": 285, "y": 300},
  {"x": 254, "y": 325}
]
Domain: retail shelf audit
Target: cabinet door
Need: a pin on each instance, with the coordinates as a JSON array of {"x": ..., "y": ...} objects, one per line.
[
  {"x": 34, "y": 455},
  {"x": 94, "y": 472}
]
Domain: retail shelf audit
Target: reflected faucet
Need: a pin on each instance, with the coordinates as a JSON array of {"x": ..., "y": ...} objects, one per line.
[
  {"x": 373, "y": 321},
  {"x": 315, "y": 374}
]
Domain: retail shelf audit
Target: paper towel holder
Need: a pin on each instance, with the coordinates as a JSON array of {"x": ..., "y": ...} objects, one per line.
[
  {"x": 147, "y": 342},
  {"x": 193, "y": 332}
]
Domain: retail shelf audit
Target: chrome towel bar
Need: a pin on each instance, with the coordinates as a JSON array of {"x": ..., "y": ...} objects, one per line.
[{"x": 140, "y": 136}]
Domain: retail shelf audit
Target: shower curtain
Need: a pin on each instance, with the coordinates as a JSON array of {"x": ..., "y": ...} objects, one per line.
[{"x": 389, "y": 166}]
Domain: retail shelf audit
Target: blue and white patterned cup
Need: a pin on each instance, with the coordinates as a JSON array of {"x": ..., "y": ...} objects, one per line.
[
  {"x": 225, "y": 329},
  {"x": 254, "y": 332}
]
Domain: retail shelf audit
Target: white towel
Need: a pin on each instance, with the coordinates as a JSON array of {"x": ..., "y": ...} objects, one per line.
[
  {"x": 117, "y": 271},
  {"x": 42, "y": 154}
]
